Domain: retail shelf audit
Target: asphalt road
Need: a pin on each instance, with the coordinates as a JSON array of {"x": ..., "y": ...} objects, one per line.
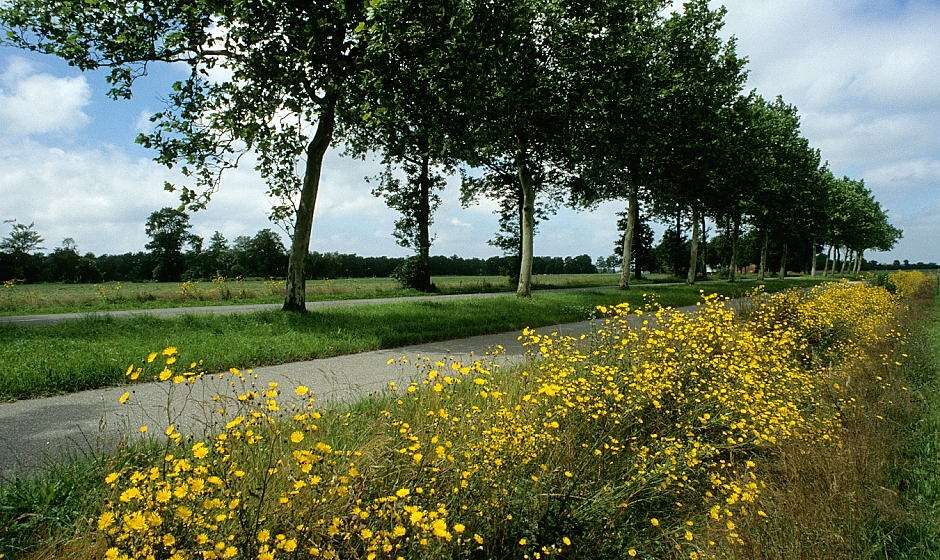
[
  {"x": 48, "y": 319},
  {"x": 37, "y": 432}
]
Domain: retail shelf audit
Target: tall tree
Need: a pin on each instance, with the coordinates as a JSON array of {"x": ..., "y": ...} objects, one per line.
[
  {"x": 168, "y": 229},
  {"x": 265, "y": 78},
  {"x": 709, "y": 76},
  {"x": 614, "y": 58},
  {"x": 516, "y": 107},
  {"x": 405, "y": 96},
  {"x": 22, "y": 240}
]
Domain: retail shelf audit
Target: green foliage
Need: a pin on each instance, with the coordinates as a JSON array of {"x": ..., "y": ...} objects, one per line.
[
  {"x": 414, "y": 273},
  {"x": 23, "y": 239},
  {"x": 168, "y": 229}
]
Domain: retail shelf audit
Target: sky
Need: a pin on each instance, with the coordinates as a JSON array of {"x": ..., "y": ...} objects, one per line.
[{"x": 865, "y": 75}]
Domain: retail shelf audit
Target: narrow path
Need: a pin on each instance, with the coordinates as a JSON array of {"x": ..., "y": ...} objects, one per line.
[
  {"x": 48, "y": 319},
  {"x": 37, "y": 432}
]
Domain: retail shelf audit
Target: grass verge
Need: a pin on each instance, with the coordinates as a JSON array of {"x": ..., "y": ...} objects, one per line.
[
  {"x": 93, "y": 352},
  {"x": 877, "y": 494},
  {"x": 652, "y": 444},
  {"x": 34, "y": 299}
]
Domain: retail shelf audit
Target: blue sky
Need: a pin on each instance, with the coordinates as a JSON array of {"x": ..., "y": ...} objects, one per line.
[{"x": 865, "y": 75}]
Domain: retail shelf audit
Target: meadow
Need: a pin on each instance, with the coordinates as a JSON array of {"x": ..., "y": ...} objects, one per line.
[
  {"x": 805, "y": 428},
  {"x": 25, "y": 299},
  {"x": 92, "y": 352}
]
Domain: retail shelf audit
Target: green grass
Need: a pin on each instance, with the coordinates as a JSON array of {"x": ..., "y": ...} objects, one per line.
[
  {"x": 71, "y": 298},
  {"x": 93, "y": 352},
  {"x": 53, "y": 505},
  {"x": 918, "y": 468}
]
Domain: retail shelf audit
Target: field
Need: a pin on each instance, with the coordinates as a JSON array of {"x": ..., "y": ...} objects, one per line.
[
  {"x": 805, "y": 429},
  {"x": 93, "y": 352},
  {"x": 26, "y": 299}
]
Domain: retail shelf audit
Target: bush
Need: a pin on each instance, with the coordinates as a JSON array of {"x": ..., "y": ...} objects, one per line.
[{"x": 414, "y": 273}]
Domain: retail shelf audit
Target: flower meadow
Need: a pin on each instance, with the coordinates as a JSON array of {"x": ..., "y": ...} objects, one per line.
[{"x": 647, "y": 438}]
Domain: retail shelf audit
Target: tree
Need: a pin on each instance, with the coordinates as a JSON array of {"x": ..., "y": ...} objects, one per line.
[
  {"x": 500, "y": 183},
  {"x": 616, "y": 64},
  {"x": 403, "y": 102},
  {"x": 517, "y": 108},
  {"x": 168, "y": 229},
  {"x": 708, "y": 75},
  {"x": 265, "y": 79},
  {"x": 22, "y": 240},
  {"x": 266, "y": 253},
  {"x": 642, "y": 254}
]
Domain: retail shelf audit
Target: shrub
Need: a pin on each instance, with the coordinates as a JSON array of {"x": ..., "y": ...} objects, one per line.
[{"x": 414, "y": 273}]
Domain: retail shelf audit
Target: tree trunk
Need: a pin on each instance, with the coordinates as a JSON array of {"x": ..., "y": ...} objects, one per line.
[
  {"x": 845, "y": 259},
  {"x": 812, "y": 269},
  {"x": 828, "y": 258},
  {"x": 424, "y": 225},
  {"x": 735, "y": 233},
  {"x": 528, "y": 223},
  {"x": 296, "y": 286},
  {"x": 693, "y": 253},
  {"x": 783, "y": 262},
  {"x": 628, "y": 239},
  {"x": 763, "y": 257},
  {"x": 704, "y": 259},
  {"x": 677, "y": 250},
  {"x": 858, "y": 262}
]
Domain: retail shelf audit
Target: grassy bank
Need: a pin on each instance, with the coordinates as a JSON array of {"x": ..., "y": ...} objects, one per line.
[
  {"x": 31, "y": 299},
  {"x": 877, "y": 493},
  {"x": 93, "y": 352},
  {"x": 663, "y": 444}
]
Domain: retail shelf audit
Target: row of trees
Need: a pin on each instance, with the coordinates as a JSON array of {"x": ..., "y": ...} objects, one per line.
[
  {"x": 536, "y": 102},
  {"x": 174, "y": 253}
]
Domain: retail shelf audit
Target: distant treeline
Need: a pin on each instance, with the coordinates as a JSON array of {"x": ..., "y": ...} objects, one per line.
[{"x": 261, "y": 256}]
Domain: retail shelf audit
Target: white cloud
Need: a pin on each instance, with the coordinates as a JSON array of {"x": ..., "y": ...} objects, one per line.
[{"x": 32, "y": 102}]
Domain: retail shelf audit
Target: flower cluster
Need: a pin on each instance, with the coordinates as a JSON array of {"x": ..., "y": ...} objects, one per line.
[
  {"x": 909, "y": 283},
  {"x": 643, "y": 438}
]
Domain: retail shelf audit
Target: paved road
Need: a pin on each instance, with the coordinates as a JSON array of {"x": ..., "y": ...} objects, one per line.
[
  {"x": 37, "y": 432},
  {"x": 49, "y": 319}
]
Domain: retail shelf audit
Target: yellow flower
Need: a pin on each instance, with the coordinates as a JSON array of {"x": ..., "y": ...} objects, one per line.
[
  {"x": 301, "y": 390},
  {"x": 631, "y": 552},
  {"x": 459, "y": 528},
  {"x": 105, "y": 520},
  {"x": 365, "y": 534},
  {"x": 169, "y": 540},
  {"x": 654, "y": 522},
  {"x": 439, "y": 529},
  {"x": 124, "y": 398},
  {"x": 200, "y": 450},
  {"x": 297, "y": 437}
]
